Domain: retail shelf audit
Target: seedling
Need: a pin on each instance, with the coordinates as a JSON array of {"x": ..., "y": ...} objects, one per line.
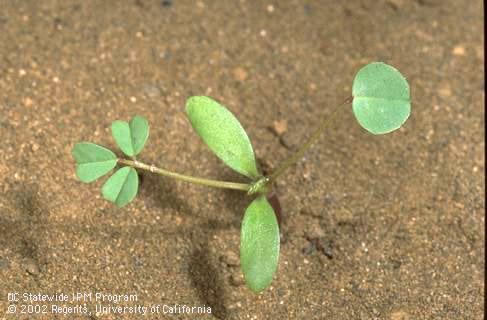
[{"x": 381, "y": 104}]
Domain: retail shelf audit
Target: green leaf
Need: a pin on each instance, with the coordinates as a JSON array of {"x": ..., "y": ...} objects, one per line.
[
  {"x": 259, "y": 244},
  {"x": 122, "y": 186},
  {"x": 92, "y": 161},
  {"x": 222, "y": 132},
  {"x": 381, "y": 98},
  {"x": 131, "y": 137}
]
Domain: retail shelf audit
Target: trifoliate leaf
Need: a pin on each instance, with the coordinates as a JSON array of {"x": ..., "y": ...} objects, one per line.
[
  {"x": 92, "y": 161},
  {"x": 122, "y": 186},
  {"x": 381, "y": 98},
  {"x": 222, "y": 132},
  {"x": 259, "y": 244},
  {"x": 131, "y": 137}
]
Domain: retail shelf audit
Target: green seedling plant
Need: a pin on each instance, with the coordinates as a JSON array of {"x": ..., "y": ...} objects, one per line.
[{"x": 380, "y": 102}]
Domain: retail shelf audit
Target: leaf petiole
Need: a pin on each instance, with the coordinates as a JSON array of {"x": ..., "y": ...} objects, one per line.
[{"x": 207, "y": 182}]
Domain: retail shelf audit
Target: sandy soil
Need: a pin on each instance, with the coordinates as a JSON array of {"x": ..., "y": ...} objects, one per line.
[{"x": 375, "y": 227}]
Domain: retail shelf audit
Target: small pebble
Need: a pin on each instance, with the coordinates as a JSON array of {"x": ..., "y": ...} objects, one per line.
[
  {"x": 289, "y": 141},
  {"x": 237, "y": 279},
  {"x": 270, "y": 8},
  {"x": 279, "y": 127},
  {"x": 315, "y": 232},
  {"x": 459, "y": 51},
  {"x": 399, "y": 315},
  {"x": 30, "y": 266},
  {"x": 240, "y": 74},
  {"x": 178, "y": 220},
  {"x": 230, "y": 258},
  {"x": 445, "y": 92},
  {"x": 28, "y": 102}
]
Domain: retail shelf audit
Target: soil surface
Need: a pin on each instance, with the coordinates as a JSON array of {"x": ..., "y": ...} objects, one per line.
[{"x": 374, "y": 227}]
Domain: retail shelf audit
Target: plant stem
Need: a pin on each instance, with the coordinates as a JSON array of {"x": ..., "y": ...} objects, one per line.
[
  {"x": 196, "y": 180},
  {"x": 296, "y": 156}
]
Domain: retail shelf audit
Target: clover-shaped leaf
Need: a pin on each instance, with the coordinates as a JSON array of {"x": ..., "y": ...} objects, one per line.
[
  {"x": 92, "y": 161},
  {"x": 259, "y": 244},
  {"x": 121, "y": 187},
  {"x": 381, "y": 98},
  {"x": 131, "y": 137},
  {"x": 222, "y": 132}
]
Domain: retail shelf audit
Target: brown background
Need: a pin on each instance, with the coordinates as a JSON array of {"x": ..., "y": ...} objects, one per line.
[{"x": 386, "y": 227}]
